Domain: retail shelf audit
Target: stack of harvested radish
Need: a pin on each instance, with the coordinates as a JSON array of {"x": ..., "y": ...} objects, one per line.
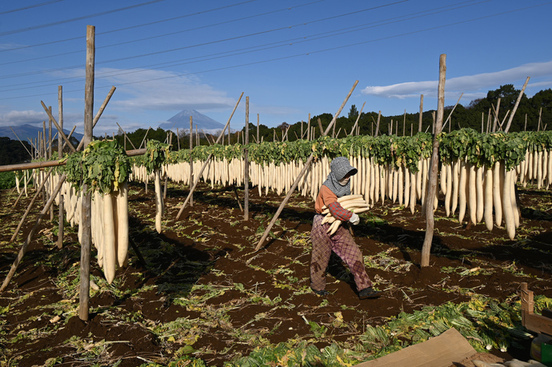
[
  {"x": 109, "y": 229},
  {"x": 354, "y": 203}
]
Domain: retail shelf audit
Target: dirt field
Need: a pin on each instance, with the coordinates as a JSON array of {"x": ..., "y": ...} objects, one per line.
[{"x": 200, "y": 290}]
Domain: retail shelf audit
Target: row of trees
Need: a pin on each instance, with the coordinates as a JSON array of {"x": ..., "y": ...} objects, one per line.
[{"x": 532, "y": 114}]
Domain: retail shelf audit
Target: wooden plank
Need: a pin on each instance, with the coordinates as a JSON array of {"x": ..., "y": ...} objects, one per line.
[
  {"x": 537, "y": 323},
  {"x": 443, "y": 350},
  {"x": 532, "y": 321}
]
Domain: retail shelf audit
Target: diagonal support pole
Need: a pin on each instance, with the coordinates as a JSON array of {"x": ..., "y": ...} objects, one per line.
[
  {"x": 31, "y": 234},
  {"x": 301, "y": 174},
  {"x": 207, "y": 161}
]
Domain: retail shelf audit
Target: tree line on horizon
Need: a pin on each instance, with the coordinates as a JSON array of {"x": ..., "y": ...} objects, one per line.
[{"x": 532, "y": 114}]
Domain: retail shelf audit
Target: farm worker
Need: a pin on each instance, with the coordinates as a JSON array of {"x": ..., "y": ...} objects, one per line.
[{"x": 341, "y": 242}]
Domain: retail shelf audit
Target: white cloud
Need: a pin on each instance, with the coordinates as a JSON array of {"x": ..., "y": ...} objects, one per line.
[
  {"x": 143, "y": 89},
  {"x": 22, "y": 117},
  {"x": 471, "y": 85}
]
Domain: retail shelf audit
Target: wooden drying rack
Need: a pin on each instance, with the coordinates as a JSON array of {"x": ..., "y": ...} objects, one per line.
[{"x": 532, "y": 321}]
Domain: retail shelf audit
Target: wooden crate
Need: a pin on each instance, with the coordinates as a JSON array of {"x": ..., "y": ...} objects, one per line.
[{"x": 532, "y": 321}]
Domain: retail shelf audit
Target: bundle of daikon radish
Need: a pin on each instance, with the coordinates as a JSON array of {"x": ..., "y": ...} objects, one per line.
[{"x": 354, "y": 203}]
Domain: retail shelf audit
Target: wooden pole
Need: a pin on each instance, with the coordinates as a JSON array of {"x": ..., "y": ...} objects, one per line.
[
  {"x": 258, "y": 136},
  {"x": 49, "y": 154},
  {"x": 378, "y": 123},
  {"x": 61, "y": 213},
  {"x": 84, "y": 290},
  {"x": 24, "y": 146},
  {"x": 450, "y": 114},
  {"x": 43, "y": 155},
  {"x": 166, "y": 183},
  {"x": 305, "y": 168},
  {"x": 197, "y": 135},
  {"x": 191, "y": 160},
  {"x": 207, "y": 160},
  {"x": 44, "y": 145},
  {"x": 404, "y": 123},
  {"x": 308, "y": 129},
  {"x": 433, "y": 173},
  {"x": 482, "y": 123},
  {"x": 495, "y": 111},
  {"x": 57, "y": 126},
  {"x": 488, "y": 121},
  {"x": 421, "y": 113},
  {"x": 516, "y": 106},
  {"x": 50, "y": 146},
  {"x": 144, "y": 139},
  {"x": 358, "y": 118},
  {"x": 246, "y": 163},
  {"x": 126, "y": 138}
]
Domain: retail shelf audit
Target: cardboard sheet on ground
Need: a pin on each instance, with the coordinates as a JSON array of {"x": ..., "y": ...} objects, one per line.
[{"x": 440, "y": 351}]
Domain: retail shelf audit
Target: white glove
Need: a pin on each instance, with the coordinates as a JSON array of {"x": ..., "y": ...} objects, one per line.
[{"x": 355, "y": 219}]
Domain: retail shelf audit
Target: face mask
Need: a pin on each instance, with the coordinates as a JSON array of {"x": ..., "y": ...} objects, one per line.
[{"x": 344, "y": 181}]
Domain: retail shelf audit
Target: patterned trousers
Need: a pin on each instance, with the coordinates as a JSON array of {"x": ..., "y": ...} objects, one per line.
[{"x": 343, "y": 245}]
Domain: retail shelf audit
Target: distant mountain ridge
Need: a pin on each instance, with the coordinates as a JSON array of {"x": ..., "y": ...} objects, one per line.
[
  {"x": 27, "y": 132},
  {"x": 181, "y": 121}
]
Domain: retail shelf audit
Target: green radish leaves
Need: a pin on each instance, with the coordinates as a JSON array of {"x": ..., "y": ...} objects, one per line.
[{"x": 103, "y": 166}]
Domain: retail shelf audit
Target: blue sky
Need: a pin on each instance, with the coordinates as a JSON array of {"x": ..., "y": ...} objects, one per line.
[{"x": 291, "y": 58}]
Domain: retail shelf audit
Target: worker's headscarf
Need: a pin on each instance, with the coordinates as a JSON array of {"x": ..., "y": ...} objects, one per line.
[{"x": 340, "y": 167}]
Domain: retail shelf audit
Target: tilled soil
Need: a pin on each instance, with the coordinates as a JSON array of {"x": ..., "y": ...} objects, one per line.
[{"x": 201, "y": 274}]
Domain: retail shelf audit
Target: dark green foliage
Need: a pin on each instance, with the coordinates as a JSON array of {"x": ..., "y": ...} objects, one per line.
[
  {"x": 103, "y": 165},
  {"x": 13, "y": 152},
  {"x": 7, "y": 180},
  {"x": 472, "y": 116}
]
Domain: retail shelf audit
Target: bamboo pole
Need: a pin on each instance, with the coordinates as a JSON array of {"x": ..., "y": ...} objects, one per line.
[
  {"x": 84, "y": 290},
  {"x": 197, "y": 135},
  {"x": 50, "y": 135},
  {"x": 404, "y": 122},
  {"x": 61, "y": 213},
  {"x": 300, "y": 176},
  {"x": 378, "y": 123},
  {"x": 44, "y": 146},
  {"x": 46, "y": 164},
  {"x": 207, "y": 161},
  {"x": 495, "y": 112},
  {"x": 246, "y": 163},
  {"x": 191, "y": 160},
  {"x": 50, "y": 143},
  {"x": 126, "y": 137},
  {"x": 430, "y": 197},
  {"x": 516, "y": 106},
  {"x": 144, "y": 139},
  {"x": 450, "y": 114},
  {"x": 24, "y": 146},
  {"x": 421, "y": 113},
  {"x": 308, "y": 129},
  {"x": 169, "y": 138},
  {"x": 57, "y": 126},
  {"x": 358, "y": 118}
]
